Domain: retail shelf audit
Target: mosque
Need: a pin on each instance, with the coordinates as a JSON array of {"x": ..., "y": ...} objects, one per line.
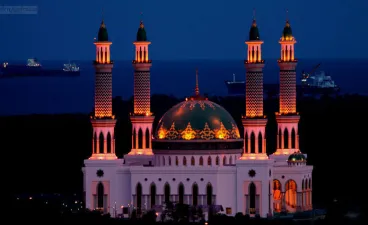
[{"x": 196, "y": 155}]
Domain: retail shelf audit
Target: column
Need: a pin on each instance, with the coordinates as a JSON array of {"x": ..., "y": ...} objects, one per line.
[
  {"x": 264, "y": 146},
  {"x": 248, "y": 149},
  {"x": 282, "y": 140},
  {"x": 256, "y": 143}
]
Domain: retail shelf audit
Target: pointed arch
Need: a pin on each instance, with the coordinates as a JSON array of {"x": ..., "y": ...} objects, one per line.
[
  {"x": 246, "y": 142},
  {"x": 148, "y": 138},
  {"x": 201, "y": 161},
  {"x": 217, "y": 160},
  {"x": 306, "y": 183},
  {"x": 184, "y": 161},
  {"x": 95, "y": 143},
  {"x": 134, "y": 141},
  {"x": 280, "y": 138},
  {"x": 252, "y": 143},
  {"x": 195, "y": 194},
  {"x": 153, "y": 194},
  {"x": 260, "y": 142},
  {"x": 286, "y": 138},
  {"x": 252, "y": 198},
  {"x": 192, "y": 161},
  {"x": 138, "y": 193},
  {"x": 167, "y": 192},
  {"x": 140, "y": 139},
  {"x": 163, "y": 160},
  {"x": 276, "y": 195},
  {"x": 293, "y": 138},
  {"x": 224, "y": 160},
  {"x": 209, "y": 193},
  {"x": 169, "y": 160},
  {"x": 101, "y": 140},
  {"x": 290, "y": 193},
  {"x": 310, "y": 183},
  {"x": 100, "y": 195},
  {"x": 209, "y": 161},
  {"x": 177, "y": 161},
  {"x": 181, "y": 193},
  {"x": 231, "y": 160},
  {"x": 108, "y": 142}
]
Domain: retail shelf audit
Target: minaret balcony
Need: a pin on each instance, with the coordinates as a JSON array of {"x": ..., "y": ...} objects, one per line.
[
  {"x": 97, "y": 62},
  {"x": 286, "y": 61},
  {"x": 141, "y": 61},
  {"x": 254, "y": 62}
]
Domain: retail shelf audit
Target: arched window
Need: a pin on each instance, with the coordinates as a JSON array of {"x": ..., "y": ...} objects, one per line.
[
  {"x": 181, "y": 193},
  {"x": 100, "y": 195},
  {"x": 246, "y": 141},
  {"x": 276, "y": 196},
  {"x": 209, "y": 161},
  {"x": 101, "y": 140},
  {"x": 286, "y": 139},
  {"x": 224, "y": 160},
  {"x": 140, "y": 139},
  {"x": 184, "y": 161},
  {"x": 290, "y": 193},
  {"x": 176, "y": 161},
  {"x": 134, "y": 141},
  {"x": 280, "y": 139},
  {"x": 293, "y": 138},
  {"x": 201, "y": 161},
  {"x": 163, "y": 160},
  {"x": 192, "y": 161},
  {"x": 231, "y": 160},
  {"x": 252, "y": 198},
  {"x": 167, "y": 192},
  {"x": 169, "y": 161},
  {"x": 195, "y": 194},
  {"x": 260, "y": 143},
  {"x": 153, "y": 195},
  {"x": 217, "y": 161},
  {"x": 209, "y": 194},
  {"x": 95, "y": 143},
  {"x": 108, "y": 142},
  {"x": 252, "y": 143},
  {"x": 148, "y": 138},
  {"x": 139, "y": 197}
]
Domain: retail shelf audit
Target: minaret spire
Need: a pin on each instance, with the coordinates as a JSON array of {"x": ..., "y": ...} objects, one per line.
[
  {"x": 141, "y": 117},
  {"x": 197, "y": 86},
  {"x": 103, "y": 121},
  {"x": 254, "y": 121}
]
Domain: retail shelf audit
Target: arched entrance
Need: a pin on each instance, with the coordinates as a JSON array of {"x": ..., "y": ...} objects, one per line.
[
  {"x": 252, "y": 198},
  {"x": 290, "y": 195},
  {"x": 277, "y": 196}
]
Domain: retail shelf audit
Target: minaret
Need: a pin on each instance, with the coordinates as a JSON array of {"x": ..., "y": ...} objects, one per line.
[
  {"x": 103, "y": 121},
  {"x": 287, "y": 118},
  {"x": 142, "y": 118},
  {"x": 254, "y": 121}
]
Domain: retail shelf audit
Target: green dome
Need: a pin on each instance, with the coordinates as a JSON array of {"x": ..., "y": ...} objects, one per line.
[
  {"x": 102, "y": 33},
  {"x": 254, "y": 33},
  {"x": 297, "y": 157},
  {"x": 141, "y": 34},
  {"x": 197, "y": 119},
  {"x": 287, "y": 33}
]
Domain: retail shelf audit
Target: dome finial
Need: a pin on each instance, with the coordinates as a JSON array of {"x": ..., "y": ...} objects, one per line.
[
  {"x": 254, "y": 24},
  {"x": 102, "y": 21},
  {"x": 197, "y": 86},
  {"x": 141, "y": 23}
]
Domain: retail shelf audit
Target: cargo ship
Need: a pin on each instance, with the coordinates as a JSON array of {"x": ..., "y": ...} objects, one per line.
[{"x": 34, "y": 68}]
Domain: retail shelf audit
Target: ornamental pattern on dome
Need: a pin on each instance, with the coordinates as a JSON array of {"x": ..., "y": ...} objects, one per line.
[
  {"x": 205, "y": 134},
  {"x": 197, "y": 119}
]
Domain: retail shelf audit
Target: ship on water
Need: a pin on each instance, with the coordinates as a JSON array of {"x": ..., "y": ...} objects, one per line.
[
  {"x": 34, "y": 68},
  {"x": 317, "y": 83},
  {"x": 314, "y": 83}
]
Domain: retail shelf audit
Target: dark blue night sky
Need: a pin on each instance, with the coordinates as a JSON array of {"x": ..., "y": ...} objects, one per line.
[{"x": 189, "y": 29}]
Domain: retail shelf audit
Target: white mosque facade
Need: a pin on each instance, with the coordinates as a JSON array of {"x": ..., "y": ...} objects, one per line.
[{"x": 196, "y": 155}]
